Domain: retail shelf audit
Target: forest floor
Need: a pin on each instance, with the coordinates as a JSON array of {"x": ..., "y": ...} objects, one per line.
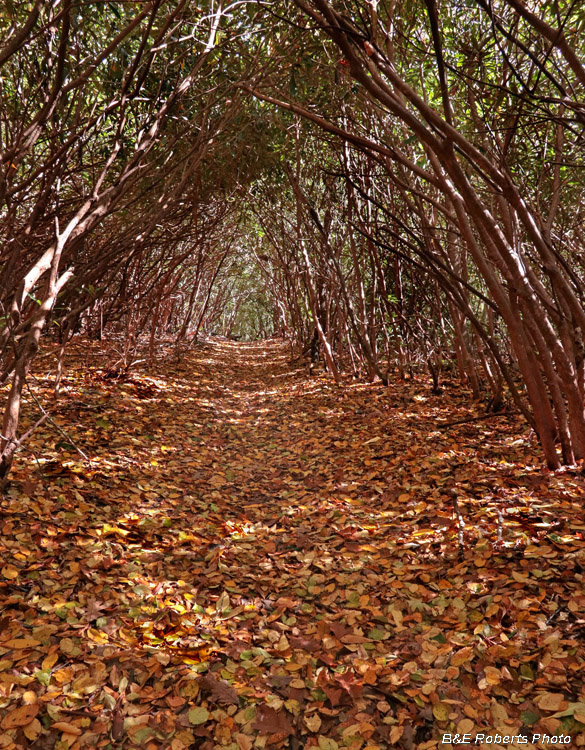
[{"x": 253, "y": 557}]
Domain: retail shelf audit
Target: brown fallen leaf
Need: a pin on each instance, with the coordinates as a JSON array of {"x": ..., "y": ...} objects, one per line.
[
  {"x": 117, "y": 725},
  {"x": 219, "y": 689},
  {"x": 21, "y": 643},
  {"x": 65, "y": 726},
  {"x": 551, "y": 701},
  {"x": 271, "y": 721},
  {"x": 20, "y": 717}
]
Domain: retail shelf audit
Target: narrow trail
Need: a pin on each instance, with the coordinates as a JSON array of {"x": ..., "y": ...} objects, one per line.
[{"x": 258, "y": 558}]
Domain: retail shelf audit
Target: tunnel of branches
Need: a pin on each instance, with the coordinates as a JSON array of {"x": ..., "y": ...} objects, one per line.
[{"x": 395, "y": 187}]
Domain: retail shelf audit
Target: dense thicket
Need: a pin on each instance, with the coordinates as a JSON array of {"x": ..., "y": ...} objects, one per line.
[{"x": 389, "y": 184}]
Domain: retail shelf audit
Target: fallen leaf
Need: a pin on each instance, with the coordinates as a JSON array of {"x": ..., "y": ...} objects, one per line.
[
  {"x": 313, "y": 722},
  {"x": 198, "y": 715},
  {"x": 221, "y": 690},
  {"x": 551, "y": 702},
  {"x": 441, "y": 711},
  {"x": 20, "y": 717},
  {"x": 10, "y": 572},
  {"x": 272, "y": 721},
  {"x": 66, "y": 727}
]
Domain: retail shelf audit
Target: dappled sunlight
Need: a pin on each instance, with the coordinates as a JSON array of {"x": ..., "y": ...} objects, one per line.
[{"x": 243, "y": 529}]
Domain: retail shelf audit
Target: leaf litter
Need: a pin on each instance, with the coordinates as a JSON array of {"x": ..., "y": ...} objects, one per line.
[{"x": 257, "y": 558}]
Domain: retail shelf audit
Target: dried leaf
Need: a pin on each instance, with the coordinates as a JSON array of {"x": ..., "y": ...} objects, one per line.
[
  {"x": 441, "y": 711},
  {"x": 221, "y": 690},
  {"x": 198, "y": 715},
  {"x": 20, "y": 717},
  {"x": 313, "y": 722},
  {"x": 272, "y": 721}
]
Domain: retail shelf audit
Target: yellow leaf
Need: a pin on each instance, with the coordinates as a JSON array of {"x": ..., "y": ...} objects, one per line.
[
  {"x": 32, "y": 730},
  {"x": 10, "y": 572},
  {"x": 22, "y": 643},
  {"x": 441, "y": 711},
  {"x": 50, "y": 661},
  {"x": 61, "y": 676},
  {"x": 86, "y": 684},
  {"x": 283, "y": 644},
  {"x": 313, "y": 722},
  {"x": 97, "y": 636},
  {"x": 396, "y": 734},
  {"x": 465, "y": 726},
  {"x": 493, "y": 676},
  {"x": 468, "y": 710},
  {"x": 462, "y": 656},
  {"x": 293, "y": 706}
]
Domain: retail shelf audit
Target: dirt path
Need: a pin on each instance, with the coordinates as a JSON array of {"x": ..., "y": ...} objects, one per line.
[{"x": 256, "y": 558}]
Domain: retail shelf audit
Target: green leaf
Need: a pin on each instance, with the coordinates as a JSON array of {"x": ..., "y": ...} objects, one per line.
[
  {"x": 198, "y": 715},
  {"x": 43, "y": 676},
  {"x": 440, "y": 638},
  {"x": 378, "y": 635},
  {"x": 529, "y": 717},
  {"x": 142, "y": 735},
  {"x": 353, "y": 600}
]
